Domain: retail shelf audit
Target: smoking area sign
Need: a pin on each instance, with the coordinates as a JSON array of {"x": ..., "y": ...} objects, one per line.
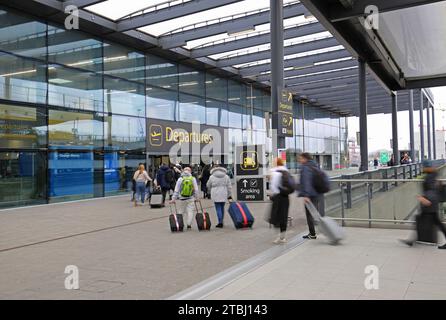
[
  {"x": 250, "y": 182},
  {"x": 250, "y": 189}
]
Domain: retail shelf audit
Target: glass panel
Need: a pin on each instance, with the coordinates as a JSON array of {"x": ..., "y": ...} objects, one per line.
[
  {"x": 191, "y": 81},
  {"x": 224, "y": 117},
  {"x": 216, "y": 88},
  {"x": 162, "y": 73},
  {"x": 124, "y": 97},
  {"x": 74, "y": 49},
  {"x": 22, "y": 179},
  {"x": 124, "y": 63},
  {"x": 75, "y": 129},
  {"x": 125, "y": 133},
  {"x": 71, "y": 175},
  {"x": 192, "y": 109},
  {"x": 161, "y": 104},
  {"x": 22, "y": 127},
  {"x": 22, "y": 79},
  {"x": 22, "y": 36},
  {"x": 212, "y": 110},
  {"x": 75, "y": 89},
  {"x": 237, "y": 93},
  {"x": 235, "y": 116}
]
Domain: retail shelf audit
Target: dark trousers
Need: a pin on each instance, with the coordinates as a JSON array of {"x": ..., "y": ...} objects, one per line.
[
  {"x": 279, "y": 212},
  {"x": 437, "y": 221},
  {"x": 164, "y": 193},
  {"x": 310, "y": 220}
]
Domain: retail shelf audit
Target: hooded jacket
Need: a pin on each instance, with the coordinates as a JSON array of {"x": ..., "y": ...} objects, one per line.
[
  {"x": 161, "y": 178},
  {"x": 219, "y": 185},
  {"x": 177, "y": 191},
  {"x": 430, "y": 192},
  {"x": 306, "y": 188}
]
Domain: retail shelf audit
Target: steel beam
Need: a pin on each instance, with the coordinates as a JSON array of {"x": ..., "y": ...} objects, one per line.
[
  {"x": 320, "y": 77},
  {"x": 422, "y": 151},
  {"x": 434, "y": 134},
  {"x": 169, "y": 13},
  {"x": 288, "y": 50},
  {"x": 248, "y": 22},
  {"x": 395, "y": 148},
  {"x": 411, "y": 126},
  {"x": 252, "y": 41},
  {"x": 81, "y": 3},
  {"x": 297, "y": 62},
  {"x": 428, "y": 132}
]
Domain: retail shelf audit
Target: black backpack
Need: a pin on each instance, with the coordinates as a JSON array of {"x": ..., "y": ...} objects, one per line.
[
  {"x": 288, "y": 185},
  {"x": 321, "y": 182},
  {"x": 169, "y": 177}
]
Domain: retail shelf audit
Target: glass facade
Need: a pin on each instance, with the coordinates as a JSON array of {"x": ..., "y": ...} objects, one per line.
[{"x": 74, "y": 112}]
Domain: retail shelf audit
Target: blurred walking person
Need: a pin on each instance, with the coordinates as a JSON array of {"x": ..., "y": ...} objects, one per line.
[
  {"x": 186, "y": 193},
  {"x": 281, "y": 186},
  {"x": 204, "y": 178},
  {"x": 430, "y": 204},
  {"x": 219, "y": 187},
  {"x": 164, "y": 180},
  {"x": 141, "y": 178}
]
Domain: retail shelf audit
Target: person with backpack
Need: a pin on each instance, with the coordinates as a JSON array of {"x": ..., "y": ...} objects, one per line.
[
  {"x": 313, "y": 183},
  {"x": 164, "y": 180},
  {"x": 141, "y": 178},
  {"x": 219, "y": 187},
  {"x": 186, "y": 191},
  {"x": 204, "y": 178},
  {"x": 281, "y": 186}
]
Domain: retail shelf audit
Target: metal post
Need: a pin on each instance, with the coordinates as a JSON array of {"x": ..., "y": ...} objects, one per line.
[
  {"x": 411, "y": 128},
  {"x": 363, "y": 136},
  {"x": 421, "y": 128},
  {"x": 434, "y": 136},
  {"x": 428, "y": 132},
  {"x": 396, "y": 152},
  {"x": 342, "y": 204},
  {"x": 277, "y": 43}
]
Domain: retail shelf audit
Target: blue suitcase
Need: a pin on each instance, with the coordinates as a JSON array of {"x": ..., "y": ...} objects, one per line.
[{"x": 240, "y": 214}]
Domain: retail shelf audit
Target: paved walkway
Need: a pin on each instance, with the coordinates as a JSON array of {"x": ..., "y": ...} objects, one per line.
[
  {"x": 315, "y": 270},
  {"x": 122, "y": 252}
]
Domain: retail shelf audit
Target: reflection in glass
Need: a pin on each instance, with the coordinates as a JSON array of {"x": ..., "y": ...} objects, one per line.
[
  {"x": 162, "y": 73},
  {"x": 124, "y": 97},
  {"x": 191, "y": 81},
  {"x": 161, "y": 104},
  {"x": 74, "y": 89},
  {"x": 216, "y": 88},
  {"x": 74, "y": 129},
  {"x": 192, "y": 109},
  {"x": 119, "y": 168},
  {"x": 124, "y": 62},
  {"x": 22, "y": 79},
  {"x": 22, "y": 127},
  {"x": 125, "y": 133},
  {"x": 22, "y": 179}
]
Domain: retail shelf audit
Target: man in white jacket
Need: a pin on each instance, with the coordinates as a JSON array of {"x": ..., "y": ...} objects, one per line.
[{"x": 186, "y": 192}]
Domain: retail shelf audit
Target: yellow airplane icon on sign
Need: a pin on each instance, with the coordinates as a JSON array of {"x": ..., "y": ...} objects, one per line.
[
  {"x": 156, "y": 134},
  {"x": 290, "y": 96}
]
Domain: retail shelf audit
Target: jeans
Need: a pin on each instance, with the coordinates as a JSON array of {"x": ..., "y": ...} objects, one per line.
[
  {"x": 220, "y": 209},
  {"x": 140, "y": 191}
]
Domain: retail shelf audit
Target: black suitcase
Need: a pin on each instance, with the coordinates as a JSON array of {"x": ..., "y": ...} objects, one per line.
[
  {"x": 176, "y": 221},
  {"x": 426, "y": 229},
  {"x": 156, "y": 198},
  {"x": 202, "y": 218}
]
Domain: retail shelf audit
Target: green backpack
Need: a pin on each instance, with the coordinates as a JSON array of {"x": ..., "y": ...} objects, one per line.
[{"x": 187, "y": 187}]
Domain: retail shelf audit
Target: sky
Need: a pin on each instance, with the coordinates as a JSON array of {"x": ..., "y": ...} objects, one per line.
[{"x": 380, "y": 125}]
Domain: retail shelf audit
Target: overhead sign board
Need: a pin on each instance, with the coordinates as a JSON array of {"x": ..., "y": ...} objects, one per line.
[
  {"x": 249, "y": 160},
  {"x": 285, "y": 128}
]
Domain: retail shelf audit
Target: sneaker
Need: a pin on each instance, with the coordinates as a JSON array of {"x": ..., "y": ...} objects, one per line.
[
  {"x": 406, "y": 242},
  {"x": 284, "y": 240},
  {"x": 309, "y": 236},
  {"x": 220, "y": 225},
  {"x": 442, "y": 247},
  {"x": 189, "y": 227}
]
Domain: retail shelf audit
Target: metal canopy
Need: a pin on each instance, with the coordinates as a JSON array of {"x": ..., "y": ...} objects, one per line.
[
  {"x": 396, "y": 38},
  {"x": 231, "y": 38}
]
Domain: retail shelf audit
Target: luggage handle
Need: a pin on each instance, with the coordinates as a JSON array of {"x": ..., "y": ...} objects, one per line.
[{"x": 201, "y": 206}]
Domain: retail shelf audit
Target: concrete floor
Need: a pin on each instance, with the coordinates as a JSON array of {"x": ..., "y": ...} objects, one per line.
[
  {"x": 316, "y": 270},
  {"x": 122, "y": 252}
]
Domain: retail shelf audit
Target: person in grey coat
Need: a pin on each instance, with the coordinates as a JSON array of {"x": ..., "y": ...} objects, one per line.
[{"x": 220, "y": 188}]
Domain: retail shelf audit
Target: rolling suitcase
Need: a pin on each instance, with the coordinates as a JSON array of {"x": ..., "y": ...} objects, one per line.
[
  {"x": 202, "y": 218},
  {"x": 326, "y": 225},
  {"x": 240, "y": 215},
  {"x": 426, "y": 229},
  {"x": 156, "y": 198},
  {"x": 176, "y": 220}
]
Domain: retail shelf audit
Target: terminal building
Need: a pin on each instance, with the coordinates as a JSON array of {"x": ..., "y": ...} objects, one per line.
[{"x": 77, "y": 105}]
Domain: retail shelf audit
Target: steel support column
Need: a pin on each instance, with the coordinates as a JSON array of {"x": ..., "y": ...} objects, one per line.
[
  {"x": 434, "y": 136},
  {"x": 277, "y": 44},
  {"x": 421, "y": 126},
  {"x": 428, "y": 132},
  {"x": 411, "y": 127},
  {"x": 396, "y": 152},
  {"x": 363, "y": 137}
]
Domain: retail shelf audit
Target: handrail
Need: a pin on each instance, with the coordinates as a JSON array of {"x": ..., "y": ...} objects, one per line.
[{"x": 381, "y": 180}]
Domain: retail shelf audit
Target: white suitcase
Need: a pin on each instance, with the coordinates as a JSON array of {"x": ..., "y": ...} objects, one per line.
[
  {"x": 326, "y": 225},
  {"x": 156, "y": 200}
]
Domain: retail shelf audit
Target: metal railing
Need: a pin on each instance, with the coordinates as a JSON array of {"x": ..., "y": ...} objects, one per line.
[{"x": 386, "y": 195}]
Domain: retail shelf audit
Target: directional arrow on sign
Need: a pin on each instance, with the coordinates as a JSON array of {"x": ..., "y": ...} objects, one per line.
[{"x": 245, "y": 183}]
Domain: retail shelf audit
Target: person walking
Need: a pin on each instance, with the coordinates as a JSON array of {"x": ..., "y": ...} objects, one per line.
[
  {"x": 281, "y": 186},
  {"x": 204, "y": 178},
  {"x": 164, "y": 179},
  {"x": 429, "y": 201},
  {"x": 219, "y": 187},
  {"x": 141, "y": 178},
  {"x": 186, "y": 191},
  {"x": 307, "y": 190}
]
